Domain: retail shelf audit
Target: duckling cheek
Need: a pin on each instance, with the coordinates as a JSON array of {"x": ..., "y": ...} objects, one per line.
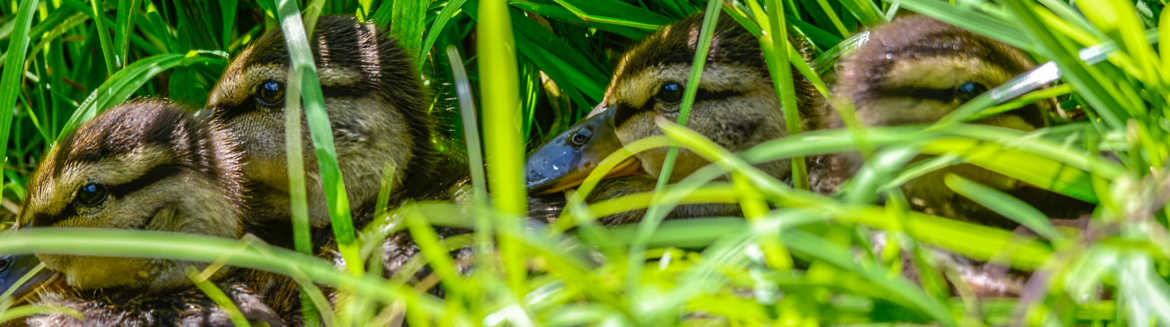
[
  {"x": 1008, "y": 121},
  {"x": 87, "y": 272},
  {"x": 902, "y": 110}
]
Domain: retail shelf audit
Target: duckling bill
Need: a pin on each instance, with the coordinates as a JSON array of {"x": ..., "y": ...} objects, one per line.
[
  {"x": 15, "y": 267},
  {"x": 566, "y": 160}
]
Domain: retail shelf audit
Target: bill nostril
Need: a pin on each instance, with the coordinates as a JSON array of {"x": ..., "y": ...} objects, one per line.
[{"x": 580, "y": 137}]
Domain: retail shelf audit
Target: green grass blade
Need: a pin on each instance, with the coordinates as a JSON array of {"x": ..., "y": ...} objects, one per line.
[
  {"x": 1005, "y": 205},
  {"x": 218, "y": 296},
  {"x": 104, "y": 37},
  {"x": 192, "y": 247},
  {"x": 503, "y": 145},
  {"x": 304, "y": 71},
  {"x": 993, "y": 27},
  {"x": 122, "y": 29},
  {"x": 10, "y": 79},
  {"x": 408, "y": 25},
  {"x": 30, "y": 310},
  {"x": 777, "y": 57},
  {"x": 656, "y": 213},
  {"x": 1104, "y": 100},
  {"x": 432, "y": 34}
]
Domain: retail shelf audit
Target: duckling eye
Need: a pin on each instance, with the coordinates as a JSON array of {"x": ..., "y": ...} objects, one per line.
[
  {"x": 969, "y": 90},
  {"x": 669, "y": 93},
  {"x": 91, "y": 194},
  {"x": 580, "y": 137},
  {"x": 270, "y": 93}
]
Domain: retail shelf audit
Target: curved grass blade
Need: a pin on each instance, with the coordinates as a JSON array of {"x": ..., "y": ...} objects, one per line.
[
  {"x": 449, "y": 11},
  {"x": 122, "y": 84},
  {"x": 191, "y": 247}
]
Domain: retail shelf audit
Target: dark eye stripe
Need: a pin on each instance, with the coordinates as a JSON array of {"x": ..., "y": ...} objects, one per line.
[
  {"x": 229, "y": 111},
  {"x": 624, "y": 112},
  {"x": 150, "y": 177}
]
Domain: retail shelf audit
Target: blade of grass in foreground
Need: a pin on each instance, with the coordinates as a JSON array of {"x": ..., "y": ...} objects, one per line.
[
  {"x": 10, "y": 78},
  {"x": 656, "y": 213},
  {"x": 504, "y": 152},
  {"x": 471, "y": 136},
  {"x": 301, "y": 59},
  {"x": 202, "y": 248}
]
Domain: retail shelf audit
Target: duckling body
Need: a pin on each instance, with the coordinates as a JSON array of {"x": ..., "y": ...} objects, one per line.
[
  {"x": 145, "y": 165},
  {"x": 736, "y": 106}
]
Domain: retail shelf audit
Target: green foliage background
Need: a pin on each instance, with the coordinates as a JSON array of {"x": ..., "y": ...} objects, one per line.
[{"x": 810, "y": 263}]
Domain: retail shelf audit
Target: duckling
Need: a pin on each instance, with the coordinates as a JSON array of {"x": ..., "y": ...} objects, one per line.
[
  {"x": 915, "y": 70},
  {"x": 376, "y": 105},
  {"x": 736, "y": 106},
  {"x": 144, "y": 165}
]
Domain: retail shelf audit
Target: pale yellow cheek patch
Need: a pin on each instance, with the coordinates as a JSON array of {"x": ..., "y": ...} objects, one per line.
[{"x": 943, "y": 72}]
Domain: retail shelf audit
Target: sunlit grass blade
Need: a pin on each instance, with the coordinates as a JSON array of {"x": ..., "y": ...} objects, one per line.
[
  {"x": 183, "y": 246},
  {"x": 304, "y": 71},
  {"x": 30, "y": 310},
  {"x": 655, "y": 214},
  {"x": 216, "y": 295},
  {"x": 1005, "y": 205},
  {"x": 504, "y": 145},
  {"x": 122, "y": 29}
]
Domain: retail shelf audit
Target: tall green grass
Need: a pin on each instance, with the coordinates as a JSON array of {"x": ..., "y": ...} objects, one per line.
[{"x": 534, "y": 67}]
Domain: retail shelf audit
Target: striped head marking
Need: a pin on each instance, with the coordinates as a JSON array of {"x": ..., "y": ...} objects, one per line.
[
  {"x": 917, "y": 69},
  {"x": 144, "y": 165}
]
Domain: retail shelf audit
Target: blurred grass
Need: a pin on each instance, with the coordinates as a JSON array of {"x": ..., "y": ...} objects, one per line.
[{"x": 540, "y": 65}]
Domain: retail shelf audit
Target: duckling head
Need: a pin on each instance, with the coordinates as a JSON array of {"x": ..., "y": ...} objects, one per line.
[
  {"x": 917, "y": 69},
  {"x": 375, "y": 102},
  {"x": 144, "y": 165},
  {"x": 736, "y": 105}
]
